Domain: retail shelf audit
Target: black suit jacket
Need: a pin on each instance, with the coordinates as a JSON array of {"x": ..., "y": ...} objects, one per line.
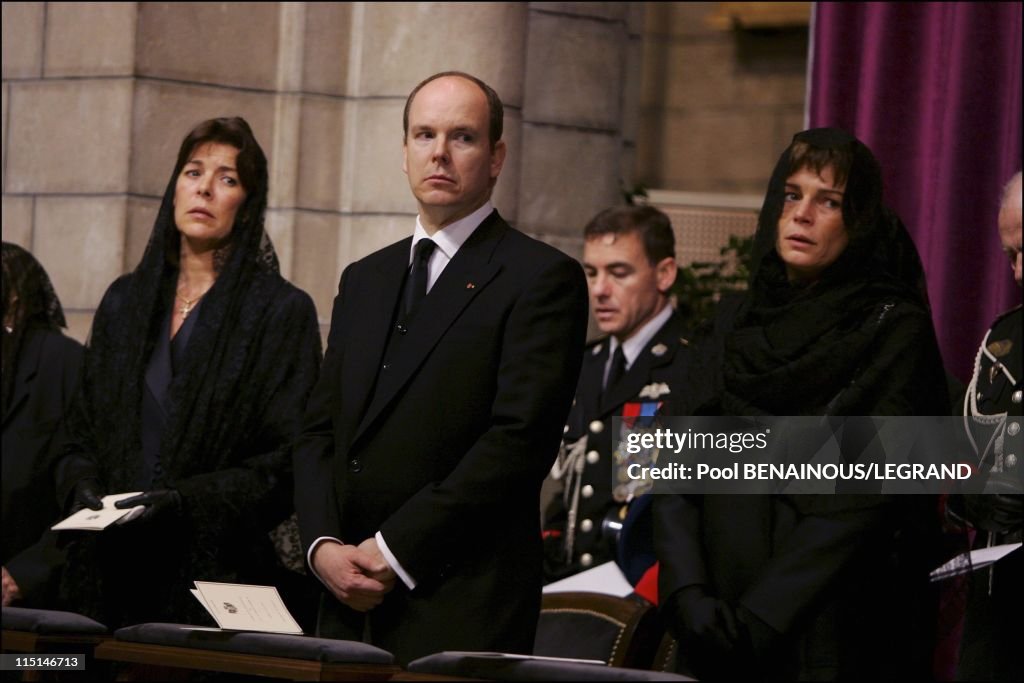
[
  {"x": 46, "y": 377},
  {"x": 440, "y": 438}
]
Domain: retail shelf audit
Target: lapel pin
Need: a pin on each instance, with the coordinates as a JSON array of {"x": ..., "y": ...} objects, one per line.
[
  {"x": 470, "y": 285},
  {"x": 659, "y": 350},
  {"x": 596, "y": 350}
]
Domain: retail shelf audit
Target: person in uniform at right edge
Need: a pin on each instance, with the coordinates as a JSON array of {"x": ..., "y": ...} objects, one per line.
[
  {"x": 992, "y": 419},
  {"x": 635, "y": 371}
]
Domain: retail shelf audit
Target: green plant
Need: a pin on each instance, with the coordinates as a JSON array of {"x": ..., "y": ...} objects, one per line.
[{"x": 699, "y": 286}]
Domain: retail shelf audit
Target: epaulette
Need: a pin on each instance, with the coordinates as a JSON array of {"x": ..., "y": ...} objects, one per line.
[
  {"x": 596, "y": 346},
  {"x": 1007, "y": 314}
]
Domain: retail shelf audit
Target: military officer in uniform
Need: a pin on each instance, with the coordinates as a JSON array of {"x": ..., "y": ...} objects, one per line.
[
  {"x": 992, "y": 421},
  {"x": 635, "y": 371}
]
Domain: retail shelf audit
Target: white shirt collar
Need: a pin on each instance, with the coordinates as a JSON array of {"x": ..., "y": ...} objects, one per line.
[
  {"x": 452, "y": 236},
  {"x": 635, "y": 344}
]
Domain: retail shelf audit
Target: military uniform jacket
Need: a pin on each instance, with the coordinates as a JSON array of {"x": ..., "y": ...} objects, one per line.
[
  {"x": 582, "y": 522},
  {"x": 994, "y": 396}
]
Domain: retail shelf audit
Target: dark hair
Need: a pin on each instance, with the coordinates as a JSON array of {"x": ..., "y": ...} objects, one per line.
[
  {"x": 653, "y": 226},
  {"x": 494, "y": 106},
  {"x": 251, "y": 165},
  {"x": 28, "y": 302}
]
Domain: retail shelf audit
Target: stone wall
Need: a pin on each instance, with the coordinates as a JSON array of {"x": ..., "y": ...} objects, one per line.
[
  {"x": 718, "y": 105},
  {"x": 97, "y": 97}
]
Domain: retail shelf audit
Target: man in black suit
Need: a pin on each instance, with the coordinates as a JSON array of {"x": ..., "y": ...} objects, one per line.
[
  {"x": 637, "y": 370},
  {"x": 449, "y": 371}
]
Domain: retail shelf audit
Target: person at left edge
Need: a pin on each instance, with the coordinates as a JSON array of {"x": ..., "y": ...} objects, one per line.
[
  {"x": 629, "y": 260},
  {"x": 435, "y": 420},
  {"x": 40, "y": 374},
  {"x": 198, "y": 366}
]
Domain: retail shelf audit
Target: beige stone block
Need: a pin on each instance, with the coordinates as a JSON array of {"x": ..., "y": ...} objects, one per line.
[
  {"x": 506, "y": 191},
  {"x": 404, "y": 42},
  {"x": 718, "y": 152},
  {"x": 568, "y": 176},
  {"x": 701, "y": 75},
  {"x": 650, "y": 149},
  {"x": 574, "y": 72},
  {"x": 680, "y": 19},
  {"x": 636, "y": 16},
  {"x": 164, "y": 113},
  {"x": 79, "y": 324},
  {"x": 321, "y": 152},
  {"x": 90, "y": 38},
  {"x": 632, "y": 81},
  {"x": 22, "y": 39},
  {"x": 142, "y": 213},
  {"x": 316, "y": 270},
  {"x": 363, "y": 235},
  {"x": 81, "y": 241},
  {"x": 3, "y": 132},
  {"x": 788, "y": 122},
  {"x": 612, "y": 11},
  {"x": 327, "y": 43},
  {"x": 229, "y": 43},
  {"x": 17, "y": 220},
  {"x": 69, "y": 136},
  {"x": 372, "y": 177}
]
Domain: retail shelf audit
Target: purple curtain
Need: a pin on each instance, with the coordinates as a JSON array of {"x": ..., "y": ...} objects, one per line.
[{"x": 934, "y": 89}]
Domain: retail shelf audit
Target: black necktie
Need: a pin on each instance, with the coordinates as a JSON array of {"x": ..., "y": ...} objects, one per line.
[
  {"x": 617, "y": 370},
  {"x": 416, "y": 285}
]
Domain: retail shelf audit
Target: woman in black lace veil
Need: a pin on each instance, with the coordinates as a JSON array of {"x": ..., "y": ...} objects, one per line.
[
  {"x": 196, "y": 373},
  {"x": 40, "y": 373},
  {"x": 835, "y": 323}
]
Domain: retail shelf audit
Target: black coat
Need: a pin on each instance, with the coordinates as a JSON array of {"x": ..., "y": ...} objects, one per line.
[
  {"x": 46, "y": 377},
  {"x": 235, "y": 405},
  {"x": 442, "y": 441}
]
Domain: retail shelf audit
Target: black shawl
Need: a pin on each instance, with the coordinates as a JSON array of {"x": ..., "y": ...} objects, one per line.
[
  {"x": 860, "y": 340},
  {"x": 236, "y": 403}
]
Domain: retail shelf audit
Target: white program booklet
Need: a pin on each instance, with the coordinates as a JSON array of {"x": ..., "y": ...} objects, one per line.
[
  {"x": 976, "y": 559},
  {"x": 96, "y": 520},
  {"x": 524, "y": 658},
  {"x": 238, "y": 607},
  {"x": 605, "y": 578}
]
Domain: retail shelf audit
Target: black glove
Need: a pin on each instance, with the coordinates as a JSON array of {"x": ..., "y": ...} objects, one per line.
[
  {"x": 159, "y": 502},
  {"x": 86, "y": 494},
  {"x": 707, "y": 630},
  {"x": 1001, "y": 509}
]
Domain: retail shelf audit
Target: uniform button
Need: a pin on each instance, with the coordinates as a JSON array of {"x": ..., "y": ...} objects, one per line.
[
  {"x": 1013, "y": 429},
  {"x": 565, "y": 429},
  {"x": 593, "y": 457},
  {"x": 354, "y": 465},
  {"x": 386, "y": 366},
  {"x": 597, "y": 426},
  {"x": 1017, "y": 396},
  {"x": 979, "y": 396},
  {"x": 1011, "y": 461},
  {"x": 586, "y": 559},
  {"x": 586, "y": 525},
  {"x": 587, "y": 491},
  {"x": 401, "y": 328}
]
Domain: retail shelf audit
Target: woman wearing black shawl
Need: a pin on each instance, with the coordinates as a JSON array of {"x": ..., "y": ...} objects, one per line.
[
  {"x": 196, "y": 373},
  {"x": 40, "y": 373},
  {"x": 835, "y": 322}
]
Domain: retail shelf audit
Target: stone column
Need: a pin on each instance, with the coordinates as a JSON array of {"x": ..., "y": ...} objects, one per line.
[{"x": 579, "y": 119}]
